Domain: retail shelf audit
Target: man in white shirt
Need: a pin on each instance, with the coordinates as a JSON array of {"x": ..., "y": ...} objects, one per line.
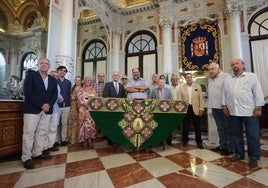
[
  {"x": 215, "y": 85},
  {"x": 174, "y": 87},
  {"x": 242, "y": 99}
]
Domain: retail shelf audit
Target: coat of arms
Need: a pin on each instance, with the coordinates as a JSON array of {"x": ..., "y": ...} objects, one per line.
[{"x": 199, "y": 46}]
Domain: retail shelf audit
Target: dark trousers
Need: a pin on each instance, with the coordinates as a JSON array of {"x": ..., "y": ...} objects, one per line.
[{"x": 190, "y": 115}]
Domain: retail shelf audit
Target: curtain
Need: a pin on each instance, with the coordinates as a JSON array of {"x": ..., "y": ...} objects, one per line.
[
  {"x": 101, "y": 68},
  {"x": 260, "y": 63},
  {"x": 132, "y": 62},
  {"x": 148, "y": 67},
  {"x": 88, "y": 69}
]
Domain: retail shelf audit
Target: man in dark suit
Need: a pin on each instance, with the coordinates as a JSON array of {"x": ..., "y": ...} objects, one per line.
[
  {"x": 114, "y": 89},
  {"x": 40, "y": 91},
  {"x": 161, "y": 92}
]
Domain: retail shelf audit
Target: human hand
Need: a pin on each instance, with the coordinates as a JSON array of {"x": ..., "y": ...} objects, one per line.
[
  {"x": 257, "y": 112},
  {"x": 45, "y": 107},
  {"x": 201, "y": 112},
  {"x": 226, "y": 111},
  {"x": 60, "y": 100}
]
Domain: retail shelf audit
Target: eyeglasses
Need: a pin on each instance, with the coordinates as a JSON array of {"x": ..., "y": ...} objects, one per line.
[{"x": 123, "y": 78}]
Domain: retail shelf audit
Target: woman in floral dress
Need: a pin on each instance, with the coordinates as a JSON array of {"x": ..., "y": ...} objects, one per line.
[
  {"x": 86, "y": 125},
  {"x": 73, "y": 115}
]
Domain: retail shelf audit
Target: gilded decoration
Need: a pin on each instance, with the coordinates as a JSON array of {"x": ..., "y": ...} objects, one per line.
[
  {"x": 200, "y": 45},
  {"x": 138, "y": 121}
]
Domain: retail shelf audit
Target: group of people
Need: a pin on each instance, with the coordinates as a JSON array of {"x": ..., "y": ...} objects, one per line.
[
  {"x": 56, "y": 113},
  {"x": 236, "y": 101}
]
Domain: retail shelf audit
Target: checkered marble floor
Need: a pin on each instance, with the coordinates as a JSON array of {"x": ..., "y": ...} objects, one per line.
[{"x": 116, "y": 166}]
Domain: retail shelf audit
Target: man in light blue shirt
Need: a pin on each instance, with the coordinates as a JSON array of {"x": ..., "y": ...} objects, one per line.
[
  {"x": 242, "y": 99},
  {"x": 137, "y": 87},
  {"x": 215, "y": 85}
]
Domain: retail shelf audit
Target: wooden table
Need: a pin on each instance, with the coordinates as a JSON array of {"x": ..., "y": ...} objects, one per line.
[{"x": 11, "y": 126}]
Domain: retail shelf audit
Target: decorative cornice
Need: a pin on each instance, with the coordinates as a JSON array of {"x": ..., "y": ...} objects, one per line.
[
  {"x": 179, "y": 1},
  {"x": 137, "y": 10},
  {"x": 89, "y": 21}
]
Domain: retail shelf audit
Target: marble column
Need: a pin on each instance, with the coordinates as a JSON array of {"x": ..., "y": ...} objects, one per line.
[
  {"x": 13, "y": 62},
  {"x": 233, "y": 10},
  {"x": 166, "y": 24},
  {"x": 116, "y": 46},
  {"x": 64, "y": 56}
]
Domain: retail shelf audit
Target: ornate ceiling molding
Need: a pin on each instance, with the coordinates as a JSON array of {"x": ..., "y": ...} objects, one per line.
[{"x": 130, "y": 11}]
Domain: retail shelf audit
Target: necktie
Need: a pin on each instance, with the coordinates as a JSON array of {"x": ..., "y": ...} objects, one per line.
[
  {"x": 116, "y": 87},
  {"x": 161, "y": 94}
]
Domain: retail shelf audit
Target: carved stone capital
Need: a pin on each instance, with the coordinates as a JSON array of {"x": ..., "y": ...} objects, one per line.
[
  {"x": 166, "y": 22},
  {"x": 234, "y": 7},
  {"x": 117, "y": 33},
  {"x": 66, "y": 61}
]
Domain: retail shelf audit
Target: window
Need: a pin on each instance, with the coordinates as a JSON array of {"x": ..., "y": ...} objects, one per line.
[
  {"x": 30, "y": 61},
  {"x": 94, "y": 59},
  {"x": 141, "y": 52}
]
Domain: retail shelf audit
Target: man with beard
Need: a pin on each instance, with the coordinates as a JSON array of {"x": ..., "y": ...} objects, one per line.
[
  {"x": 242, "y": 99},
  {"x": 137, "y": 87}
]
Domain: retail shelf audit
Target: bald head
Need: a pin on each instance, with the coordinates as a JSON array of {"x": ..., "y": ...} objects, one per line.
[
  {"x": 238, "y": 66},
  {"x": 214, "y": 70}
]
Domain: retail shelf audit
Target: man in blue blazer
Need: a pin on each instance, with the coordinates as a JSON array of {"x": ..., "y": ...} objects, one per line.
[
  {"x": 161, "y": 92},
  {"x": 40, "y": 91}
]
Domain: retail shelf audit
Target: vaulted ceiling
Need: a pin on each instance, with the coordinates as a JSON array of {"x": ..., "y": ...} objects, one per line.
[
  {"x": 21, "y": 12},
  {"x": 24, "y": 12}
]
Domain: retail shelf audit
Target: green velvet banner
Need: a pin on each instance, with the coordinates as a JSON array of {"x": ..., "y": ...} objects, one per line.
[{"x": 138, "y": 123}]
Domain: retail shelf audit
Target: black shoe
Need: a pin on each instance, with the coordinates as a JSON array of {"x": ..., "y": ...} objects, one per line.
[
  {"x": 54, "y": 148},
  {"x": 252, "y": 163},
  {"x": 28, "y": 164},
  {"x": 56, "y": 144},
  {"x": 185, "y": 144},
  {"x": 237, "y": 157},
  {"x": 168, "y": 141},
  {"x": 46, "y": 152},
  {"x": 64, "y": 143},
  {"x": 42, "y": 156},
  {"x": 200, "y": 145},
  {"x": 219, "y": 148},
  {"x": 226, "y": 152}
]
